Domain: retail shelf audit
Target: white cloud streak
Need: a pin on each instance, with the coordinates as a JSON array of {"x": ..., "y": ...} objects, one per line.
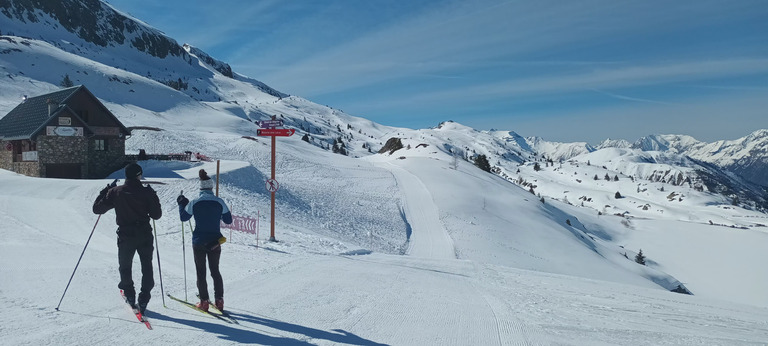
[
  {"x": 615, "y": 78},
  {"x": 481, "y": 34}
]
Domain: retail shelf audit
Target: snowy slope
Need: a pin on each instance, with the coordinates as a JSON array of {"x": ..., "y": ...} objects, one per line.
[{"x": 304, "y": 290}]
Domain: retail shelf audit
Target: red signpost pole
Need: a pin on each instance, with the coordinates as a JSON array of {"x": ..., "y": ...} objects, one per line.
[
  {"x": 269, "y": 129},
  {"x": 272, "y": 221},
  {"x": 217, "y": 177}
]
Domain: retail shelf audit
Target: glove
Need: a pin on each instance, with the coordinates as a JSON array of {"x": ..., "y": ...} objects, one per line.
[
  {"x": 109, "y": 186},
  {"x": 182, "y": 201}
]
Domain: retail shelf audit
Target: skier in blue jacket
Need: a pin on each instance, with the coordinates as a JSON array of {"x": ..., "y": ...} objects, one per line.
[{"x": 208, "y": 210}]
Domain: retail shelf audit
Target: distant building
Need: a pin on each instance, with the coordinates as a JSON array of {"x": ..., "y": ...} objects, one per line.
[{"x": 65, "y": 134}]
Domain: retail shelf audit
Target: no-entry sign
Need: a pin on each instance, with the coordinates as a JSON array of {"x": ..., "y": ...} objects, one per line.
[
  {"x": 276, "y": 132},
  {"x": 272, "y": 185}
]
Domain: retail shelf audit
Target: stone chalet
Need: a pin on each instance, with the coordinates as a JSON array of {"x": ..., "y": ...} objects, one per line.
[{"x": 65, "y": 134}]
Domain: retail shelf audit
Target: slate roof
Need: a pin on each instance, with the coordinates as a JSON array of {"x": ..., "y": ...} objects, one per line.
[
  {"x": 24, "y": 120},
  {"x": 30, "y": 116}
]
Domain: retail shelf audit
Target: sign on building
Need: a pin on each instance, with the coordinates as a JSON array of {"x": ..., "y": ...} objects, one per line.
[{"x": 65, "y": 131}]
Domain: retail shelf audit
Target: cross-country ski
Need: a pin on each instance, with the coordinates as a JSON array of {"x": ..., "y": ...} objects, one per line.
[
  {"x": 211, "y": 312},
  {"x": 135, "y": 310}
]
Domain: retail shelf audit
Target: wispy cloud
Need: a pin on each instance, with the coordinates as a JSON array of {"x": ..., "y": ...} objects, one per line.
[
  {"x": 616, "y": 78},
  {"x": 484, "y": 33},
  {"x": 629, "y": 98}
]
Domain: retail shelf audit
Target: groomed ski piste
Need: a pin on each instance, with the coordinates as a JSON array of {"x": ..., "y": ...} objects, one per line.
[{"x": 370, "y": 251}]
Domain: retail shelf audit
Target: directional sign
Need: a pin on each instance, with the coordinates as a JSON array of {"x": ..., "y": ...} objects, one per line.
[
  {"x": 275, "y": 132},
  {"x": 270, "y": 124},
  {"x": 272, "y": 185}
]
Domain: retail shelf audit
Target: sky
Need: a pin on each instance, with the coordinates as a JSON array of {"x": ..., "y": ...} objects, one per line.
[{"x": 564, "y": 71}]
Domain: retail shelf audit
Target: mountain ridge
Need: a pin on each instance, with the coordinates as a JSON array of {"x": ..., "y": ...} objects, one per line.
[{"x": 108, "y": 33}]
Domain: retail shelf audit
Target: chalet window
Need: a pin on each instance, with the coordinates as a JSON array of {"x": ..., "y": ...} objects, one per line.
[{"x": 100, "y": 144}]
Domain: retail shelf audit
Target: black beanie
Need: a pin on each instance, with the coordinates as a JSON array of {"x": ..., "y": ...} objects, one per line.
[
  {"x": 133, "y": 171},
  {"x": 205, "y": 181}
]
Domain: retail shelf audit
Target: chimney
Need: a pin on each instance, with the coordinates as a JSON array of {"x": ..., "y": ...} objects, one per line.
[{"x": 51, "y": 106}]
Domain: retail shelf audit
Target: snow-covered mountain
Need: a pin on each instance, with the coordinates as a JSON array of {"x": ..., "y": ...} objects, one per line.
[
  {"x": 558, "y": 151},
  {"x": 746, "y": 156},
  {"x": 614, "y": 143},
  {"x": 732, "y": 168},
  {"x": 406, "y": 243}
]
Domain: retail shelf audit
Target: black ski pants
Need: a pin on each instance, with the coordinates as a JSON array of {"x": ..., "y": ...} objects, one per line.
[
  {"x": 127, "y": 246},
  {"x": 201, "y": 253}
]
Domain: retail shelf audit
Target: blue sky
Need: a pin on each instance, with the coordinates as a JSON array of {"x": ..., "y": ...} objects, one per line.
[{"x": 562, "y": 70}]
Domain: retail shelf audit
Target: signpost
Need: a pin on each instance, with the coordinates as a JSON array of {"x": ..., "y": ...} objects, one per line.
[
  {"x": 276, "y": 132},
  {"x": 270, "y": 124},
  {"x": 269, "y": 129}
]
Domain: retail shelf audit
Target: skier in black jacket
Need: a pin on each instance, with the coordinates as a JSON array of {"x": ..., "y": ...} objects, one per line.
[{"x": 134, "y": 205}]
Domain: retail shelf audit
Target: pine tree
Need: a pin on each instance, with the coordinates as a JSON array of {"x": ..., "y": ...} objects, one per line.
[
  {"x": 640, "y": 258},
  {"x": 617, "y": 195},
  {"x": 66, "y": 82},
  {"x": 536, "y": 167},
  {"x": 482, "y": 162}
]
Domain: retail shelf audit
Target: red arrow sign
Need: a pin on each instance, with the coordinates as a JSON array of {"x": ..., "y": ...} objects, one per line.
[{"x": 275, "y": 132}]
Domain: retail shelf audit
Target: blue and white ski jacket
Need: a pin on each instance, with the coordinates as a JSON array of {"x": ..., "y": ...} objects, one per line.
[{"x": 207, "y": 210}]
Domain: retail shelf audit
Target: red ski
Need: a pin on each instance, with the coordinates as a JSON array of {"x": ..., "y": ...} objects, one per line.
[{"x": 136, "y": 311}]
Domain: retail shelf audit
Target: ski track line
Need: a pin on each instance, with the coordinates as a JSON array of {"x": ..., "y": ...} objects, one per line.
[
  {"x": 508, "y": 327},
  {"x": 428, "y": 238}
]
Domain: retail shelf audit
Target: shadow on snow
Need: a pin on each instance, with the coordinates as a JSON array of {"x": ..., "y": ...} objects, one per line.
[{"x": 232, "y": 332}]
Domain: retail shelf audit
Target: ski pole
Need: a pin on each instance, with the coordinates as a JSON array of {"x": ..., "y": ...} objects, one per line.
[
  {"x": 78, "y": 262},
  {"x": 159, "y": 269},
  {"x": 184, "y": 254}
]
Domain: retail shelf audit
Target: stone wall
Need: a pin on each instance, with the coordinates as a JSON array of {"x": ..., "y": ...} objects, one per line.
[
  {"x": 6, "y": 157},
  {"x": 56, "y": 149},
  {"x": 101, "y": 163},
  {"x": 28, "y": 168},
  {"x": 95, "y": 164}
]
